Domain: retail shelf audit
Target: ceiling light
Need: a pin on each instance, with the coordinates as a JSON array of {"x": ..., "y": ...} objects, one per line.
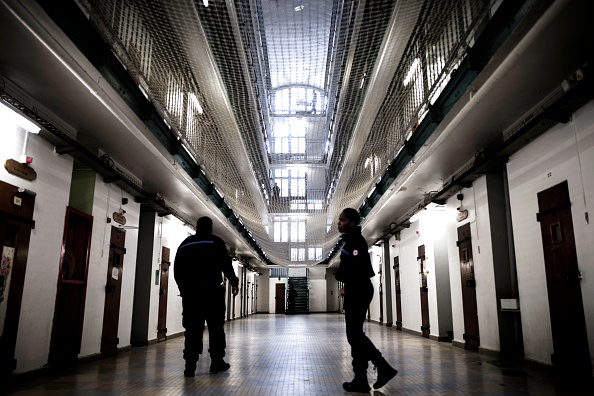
[
  {"x": 7, "y": 114},
  {"x": 205, "y": 2}
]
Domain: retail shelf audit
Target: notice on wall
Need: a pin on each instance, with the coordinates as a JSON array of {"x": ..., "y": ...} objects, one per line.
[{"x": 115, "y": 273}]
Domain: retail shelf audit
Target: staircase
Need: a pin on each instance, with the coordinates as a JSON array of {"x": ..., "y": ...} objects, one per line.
[{"x": 300, "y": 285}]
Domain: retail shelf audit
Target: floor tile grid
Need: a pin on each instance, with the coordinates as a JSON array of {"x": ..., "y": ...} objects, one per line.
[{"x": 291, "y": 355}]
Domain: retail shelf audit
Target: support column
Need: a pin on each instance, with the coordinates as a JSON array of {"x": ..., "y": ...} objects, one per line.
[
  {"x": 504, "y": 259},
  {"x": 143, "y": 278}
]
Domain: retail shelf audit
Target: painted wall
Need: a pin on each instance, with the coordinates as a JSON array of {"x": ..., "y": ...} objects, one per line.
[
  {"x": 475, "y": 201},
  {"x": 52, "y": 187},
  {"x": 375, "y": 254},
  {"x": 107, "y": 200},
  {"x": 332, "y": 292},
  {"x": 409, "y": 278},
  {"x": 566, "y": 152},
  {"x": 171, "y": 232},
  {"x": 317, "y": 290},
  {"x": 272, "y": 292},
  {"x": 263, "y": 291}
]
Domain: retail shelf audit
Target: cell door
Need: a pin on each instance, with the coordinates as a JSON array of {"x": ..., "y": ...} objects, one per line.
[
  {"x": 398, "y": 293},
  {"x": 164, "y": 286},
  {"x": 113, "y": 291},
  {"x": 16, "y": 222},
  {"x": 280, "y": 298},
  {"x": 570, "y": 343},
  {"x": 72, "y": 288},
  {"x": 469, "y": 306},
  {"x": 424, "y": 292}
]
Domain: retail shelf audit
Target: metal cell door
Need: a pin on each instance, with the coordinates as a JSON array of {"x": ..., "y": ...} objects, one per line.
[
  {"x": 570, "y": 343},
  {"x": 72, "y": 288},
  {"x": 424, "y": 292},
  {"x": 280, "y": 298},
  {"x": 164, "y": 285},
  {"x": 113, "y": 290},
  {"x": 398, "y": 293},
  {"x": 16, "y": 222},
  {"x": 471, "y": 324}
]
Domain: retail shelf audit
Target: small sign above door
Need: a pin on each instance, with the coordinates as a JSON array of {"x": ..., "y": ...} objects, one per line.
[
  {"x": 21, "y": 170},
  {"x": 119, "y": 218}
]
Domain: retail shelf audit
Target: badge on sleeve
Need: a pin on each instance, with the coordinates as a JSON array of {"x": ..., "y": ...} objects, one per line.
[{"x": 355, "y": 252}]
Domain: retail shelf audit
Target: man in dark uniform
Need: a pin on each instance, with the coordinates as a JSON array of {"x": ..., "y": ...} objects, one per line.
[
  {"x": 199, "y": 262},
  {"x": 355, "y": 272}
]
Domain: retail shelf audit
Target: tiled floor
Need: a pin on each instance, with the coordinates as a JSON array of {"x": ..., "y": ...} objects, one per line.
[{"x": 294, "y": 355}]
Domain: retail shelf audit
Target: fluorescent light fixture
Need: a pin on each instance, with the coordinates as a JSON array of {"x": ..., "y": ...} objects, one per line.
[{"x": 7, "y": 114}]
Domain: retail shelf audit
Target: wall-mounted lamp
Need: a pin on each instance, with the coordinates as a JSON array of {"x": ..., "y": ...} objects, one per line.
[
  {"x": 8, "y": 114},
  {"x": 462, "y": 213}
]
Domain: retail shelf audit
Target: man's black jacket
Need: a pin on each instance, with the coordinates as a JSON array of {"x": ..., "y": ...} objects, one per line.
[{"x": 199, "y": 262}]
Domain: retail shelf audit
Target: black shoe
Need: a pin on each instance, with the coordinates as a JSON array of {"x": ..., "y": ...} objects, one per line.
[
  {"x": 190, "y": 370},
  {"x": 358, "y": 384},
  {"x": 216, "y": 366},
  {"x": 385, "y": 373}
]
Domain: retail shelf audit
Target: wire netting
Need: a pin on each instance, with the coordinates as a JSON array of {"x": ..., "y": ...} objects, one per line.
[{"x": 293, "y": 109}]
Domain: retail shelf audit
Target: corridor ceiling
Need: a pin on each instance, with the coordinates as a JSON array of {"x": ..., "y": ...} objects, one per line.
[{"x": 293, "y": 109}]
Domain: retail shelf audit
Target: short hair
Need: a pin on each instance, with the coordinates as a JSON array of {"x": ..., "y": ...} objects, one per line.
[
  {"x": 352, "y": 215},
  {"x": 204, "y": 225}
]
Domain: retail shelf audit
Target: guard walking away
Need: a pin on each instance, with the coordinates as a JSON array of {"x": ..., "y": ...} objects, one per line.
[
  {"x": 199, "y": 262},
  {"x": 355, "y": 272}
]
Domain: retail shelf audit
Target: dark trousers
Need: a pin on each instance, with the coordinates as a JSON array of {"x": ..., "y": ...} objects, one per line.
[
  {"x": 198, "y": 309},
  {"x": 356, "y": 302}
]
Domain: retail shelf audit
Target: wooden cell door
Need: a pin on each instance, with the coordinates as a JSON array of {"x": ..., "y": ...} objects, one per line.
[
  {"x": 164, "y": 285},
  {"x": 280, "y": 298},
  {"x": 570, "y": 343},
  {"x": 398, "y": 293},
  {"x": 424, "y": 292},
  {"x": 16, "y": 222},
  {"x": 469, "y": 306},
  {"x": 113, "y": 291},
  {"x": 72, "y": 288}
]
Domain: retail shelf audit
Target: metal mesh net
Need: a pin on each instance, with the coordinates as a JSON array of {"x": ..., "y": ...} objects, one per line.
[{"x": 294, "y": 110}]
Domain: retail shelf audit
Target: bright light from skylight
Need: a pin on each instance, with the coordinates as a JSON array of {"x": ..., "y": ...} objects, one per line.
[
  {"x": 411, "y": 72},
  {"x": 196, "y": 103}
]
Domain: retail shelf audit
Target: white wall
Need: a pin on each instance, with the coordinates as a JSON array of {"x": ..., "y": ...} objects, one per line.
[
  {"x": 409, "y": 278},
  {"x": 170, "y": 233},
  {"x": 454, "y": 258},
  {"x": 475, "y": 201},
  {"x": 317, "y": 290},
  {"x": 376, "y": 257},
  {"x": 566, "y": 152},
  {"x": 272, "y": 293},
  {"x": 107, "y": 200},
  {"x": 332, "y": 292},
  {"x": 52, "y": 187},
  {"x": 263, "y": 293}
]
